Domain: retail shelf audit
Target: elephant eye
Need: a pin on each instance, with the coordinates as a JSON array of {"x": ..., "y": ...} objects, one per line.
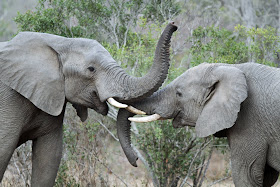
[
  {"x": 179, "y": 94},
  {"x": 91, "y": 69}
]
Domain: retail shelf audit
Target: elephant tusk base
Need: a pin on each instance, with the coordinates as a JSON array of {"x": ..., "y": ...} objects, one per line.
[
  {"x": 115, "y": 103},
  {"x": 150, "y": 118},
  {"x": 135, "y": 110}
]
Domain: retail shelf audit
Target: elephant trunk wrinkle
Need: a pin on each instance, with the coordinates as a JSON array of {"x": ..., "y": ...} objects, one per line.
[
  {"x": 119, "y": 87},
  {"x": 137, "y": 88}
]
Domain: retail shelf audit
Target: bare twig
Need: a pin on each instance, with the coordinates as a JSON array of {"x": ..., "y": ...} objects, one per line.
[
  {"x": 190, "y": 145},
  {"x": 220, "y": 180},
  {"x": 110, "y": 170},
  {"x": 19, "y": 172},
  {"x": 154, "y": 179},
  {"x": 100, "y": 122},
  {"x": 204, "y": 173},
  {"x": 196, "y": 154}
]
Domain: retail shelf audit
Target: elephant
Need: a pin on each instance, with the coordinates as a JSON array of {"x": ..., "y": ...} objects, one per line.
[
  {"x": 237, "y": 101},
  {"x": 42, "y": 72}
]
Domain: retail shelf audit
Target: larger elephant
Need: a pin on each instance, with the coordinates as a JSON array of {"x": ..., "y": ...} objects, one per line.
[
  {"x": 41, "y": 72},
  {"x": 240, "y": 102}
]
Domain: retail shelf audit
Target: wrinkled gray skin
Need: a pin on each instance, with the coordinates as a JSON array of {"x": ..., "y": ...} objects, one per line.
[
  {"x": 240, "y": 102},
  {"x": 40, "y": 73}
]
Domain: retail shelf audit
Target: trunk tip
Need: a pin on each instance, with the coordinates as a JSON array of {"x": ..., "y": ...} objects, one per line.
[
  {"x": 133, "y": 163},
  {"x": 172, "y": 23}
]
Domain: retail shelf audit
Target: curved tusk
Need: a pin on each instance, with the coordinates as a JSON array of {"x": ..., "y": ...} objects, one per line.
[
  {"x": 135, "y": 110},
  {"x": 116, "y": 103},
  {"x": 150, "y": 118}
]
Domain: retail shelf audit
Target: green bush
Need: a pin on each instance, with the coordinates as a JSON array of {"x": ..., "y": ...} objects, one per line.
[
  {"x": 172, "y": 153},
  {"x": 263, "y": 43},
  {"x": 215, "y": 45}
]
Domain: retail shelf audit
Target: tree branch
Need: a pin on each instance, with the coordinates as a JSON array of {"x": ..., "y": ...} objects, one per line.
[
  {"x": 196, "y": 154},
  {"x": 110, "y": 170}
]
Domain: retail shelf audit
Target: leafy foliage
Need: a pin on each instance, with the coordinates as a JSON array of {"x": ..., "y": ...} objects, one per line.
[
  {"x": 4, "y": 28},
  {"x": 262, "y": 43},
  {"x": 162, "y": 9},
  {"x": 103, "y": 20},
  {"x": 215, "y": 45},
  {"x": 172, "y": 153}
]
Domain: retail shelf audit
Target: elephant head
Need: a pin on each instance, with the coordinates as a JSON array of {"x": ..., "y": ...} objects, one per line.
[
  {"x": 50, "y": 70},
  {"x": 207, "y": 97}
]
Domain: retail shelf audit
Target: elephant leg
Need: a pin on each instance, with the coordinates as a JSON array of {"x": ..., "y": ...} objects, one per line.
[
  {"x": 46, "y": 156},
  {"x": 270, "y": 176},
  {"x": 248, "y": 160},
  {"x": 9, "y": 136}
]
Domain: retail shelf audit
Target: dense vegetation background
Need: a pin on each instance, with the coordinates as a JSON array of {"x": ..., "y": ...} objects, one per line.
[{"x": 215, "y": 31}]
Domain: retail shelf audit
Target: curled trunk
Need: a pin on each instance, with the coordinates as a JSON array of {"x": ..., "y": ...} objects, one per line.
[{"x": 136, "y": 88}]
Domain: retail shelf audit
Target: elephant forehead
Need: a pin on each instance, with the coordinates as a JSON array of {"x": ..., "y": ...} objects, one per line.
[
  {"x": 102, "y": 56},
  {"x": 200, "y": 70},
  {"x": 194, "y": 82},
  {"x": 94, "y": 52},
  {"x": 188, "y": 78},
  {"x": 87, "y": 45},
  {"x": 200, "y": 73}
]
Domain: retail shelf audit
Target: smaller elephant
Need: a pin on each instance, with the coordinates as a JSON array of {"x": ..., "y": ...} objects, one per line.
[{"x": 240, "y": 102}]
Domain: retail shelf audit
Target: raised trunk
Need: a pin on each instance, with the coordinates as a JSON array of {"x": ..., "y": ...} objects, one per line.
[{"x": 137, "y": 88}]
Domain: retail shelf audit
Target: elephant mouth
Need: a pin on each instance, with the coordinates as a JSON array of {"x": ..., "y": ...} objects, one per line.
[
  {"x": 102, "y": 107},
  {"x": 180, "y": 121},
  {"x": 99, "y": 106}
]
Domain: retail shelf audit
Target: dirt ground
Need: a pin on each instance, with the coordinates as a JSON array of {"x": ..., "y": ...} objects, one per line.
[{"x": 121, "y": 172}]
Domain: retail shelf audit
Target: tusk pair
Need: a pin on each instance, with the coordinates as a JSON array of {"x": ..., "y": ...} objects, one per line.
[
  {"x": 150, "y": 118},
  {"x": 117, "y": 104}
]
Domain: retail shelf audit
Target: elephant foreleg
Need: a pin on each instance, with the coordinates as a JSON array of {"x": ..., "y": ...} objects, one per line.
[
  {"x": 9, "y": 135},
  {"x": 248, "y": 164},
  {"x": 46, "y": 156}
]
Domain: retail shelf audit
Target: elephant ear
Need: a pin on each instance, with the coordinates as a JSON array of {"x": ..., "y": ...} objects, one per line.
[
  {"x": 221, "y": 111},
  {"x": 82, "y": 112},
  {"x": 31, "y": 66}
]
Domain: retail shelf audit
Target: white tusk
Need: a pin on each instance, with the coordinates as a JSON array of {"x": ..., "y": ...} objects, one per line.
[
  {"x": 116, "y": 103},
  {"x": 150, "y": 118},
  {"x": 135, "y": 110}
]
